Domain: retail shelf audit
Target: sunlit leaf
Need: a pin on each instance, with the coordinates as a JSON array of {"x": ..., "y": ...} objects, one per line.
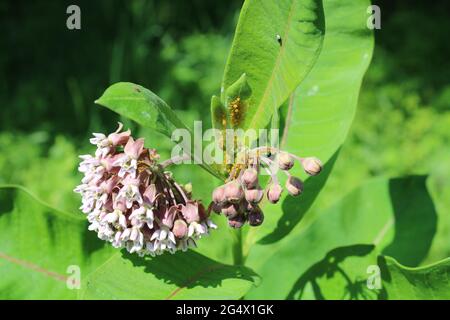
[
  {"x": 276, "y": 43},
  {"x": 330, "y": 258},
  {"x": 180, "y": 276},
  {"x": 320, "y": 112},
  {"x": 41, "y": 246}
]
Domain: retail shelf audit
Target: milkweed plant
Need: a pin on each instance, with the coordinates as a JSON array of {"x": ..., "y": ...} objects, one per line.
[{"x": 286, "y": 101}]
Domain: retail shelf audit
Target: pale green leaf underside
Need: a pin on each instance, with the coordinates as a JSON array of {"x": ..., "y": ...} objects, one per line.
[{"x": 274, "y": 67}]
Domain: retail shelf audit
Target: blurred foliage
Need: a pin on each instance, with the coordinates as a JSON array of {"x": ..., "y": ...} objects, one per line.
[{"x": 50, "y": 76}]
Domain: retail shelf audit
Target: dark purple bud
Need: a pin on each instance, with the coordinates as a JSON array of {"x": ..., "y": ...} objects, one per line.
[
  {"x": 274, "y": 193},
  {"x": 250, "y": 178},
  {"x": 255, "y": 217},
  {"x": 285, "y": 161},
  {"x": 294, "y": 186},
  {"x": 237, "y": 222}
]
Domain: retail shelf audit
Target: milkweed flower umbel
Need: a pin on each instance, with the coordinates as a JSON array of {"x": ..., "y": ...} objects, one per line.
[
  {"x": 239, "y": 198},
  {"x": 132, "y": 200}
]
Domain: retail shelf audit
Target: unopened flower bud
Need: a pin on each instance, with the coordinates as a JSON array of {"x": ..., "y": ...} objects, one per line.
[
  {"x": 294, "y": 186},
  {"x": 231, "y": 210},
  {"x": 180, "y": 228},
  {"x": 254, "y": 195},
  {"x": 233, "y": 192},
  {"x": 312, "y": 166},
  {"x": 237, "y": 222},
  {"x": 274, "y": 193},
  {"x": 250, "y": 178},
  {"x": 255, "y": 217},
  {"x": 218, "y": 195},
  {"x": 285, "y": 161}
]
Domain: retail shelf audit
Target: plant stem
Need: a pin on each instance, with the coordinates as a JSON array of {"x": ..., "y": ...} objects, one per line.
[{"x": 237, "y": 247}]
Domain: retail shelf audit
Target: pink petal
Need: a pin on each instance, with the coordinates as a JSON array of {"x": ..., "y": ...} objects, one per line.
[{"x": 134, "y": 148}]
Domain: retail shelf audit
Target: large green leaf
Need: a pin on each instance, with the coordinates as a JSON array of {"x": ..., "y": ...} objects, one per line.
[
  {"x": 274, "y": 66},
  {"x": 38, "y": 243},
  {"x": 329, "y": 259},
  {"x": 320, "y": 112},
  {"x": 423, "y": 283},
  {"x": 181, "y": 276}
]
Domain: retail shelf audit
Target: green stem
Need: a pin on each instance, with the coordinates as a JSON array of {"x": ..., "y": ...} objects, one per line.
[{"x": 238, "y": 258}]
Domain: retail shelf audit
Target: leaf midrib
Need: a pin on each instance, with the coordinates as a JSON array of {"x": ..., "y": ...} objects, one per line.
[{"x": 34, "y": 267}]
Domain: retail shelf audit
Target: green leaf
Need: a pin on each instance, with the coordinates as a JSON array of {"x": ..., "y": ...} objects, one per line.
[
  {"x": 218, "y": 113},
  {"x": 180, "y": 276},
  {"x": 147, "y": 109},
  {"x": 274, "y": 66},
  {"x": 38, "y": 243},
  {"x": 141, "y": 105},
  {"x": 423, "y": 283},
  {"x": 320, "y": 112},
  {"x": 239, "y": 89},
  {"x": 329, "y": 259}
]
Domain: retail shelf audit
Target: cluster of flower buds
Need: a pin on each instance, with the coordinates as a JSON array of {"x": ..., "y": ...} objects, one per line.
[
  {"x": 132, "y": 201},
  {"x": 239, "y": 197}
]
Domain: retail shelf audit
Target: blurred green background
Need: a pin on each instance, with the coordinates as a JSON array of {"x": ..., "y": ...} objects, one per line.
[{"x": 50, "y": 77}]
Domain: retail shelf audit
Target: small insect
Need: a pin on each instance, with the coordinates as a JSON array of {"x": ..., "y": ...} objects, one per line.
[{"x": 279, "y": 40}]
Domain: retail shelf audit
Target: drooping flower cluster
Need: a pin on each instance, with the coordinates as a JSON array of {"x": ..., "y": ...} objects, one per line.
[
  {"x": 132, "y": 201},
  {"x": 238, "y": 199}
]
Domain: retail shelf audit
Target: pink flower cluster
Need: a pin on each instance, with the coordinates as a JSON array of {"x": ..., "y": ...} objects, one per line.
[{"x": 132, "y": 201}]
